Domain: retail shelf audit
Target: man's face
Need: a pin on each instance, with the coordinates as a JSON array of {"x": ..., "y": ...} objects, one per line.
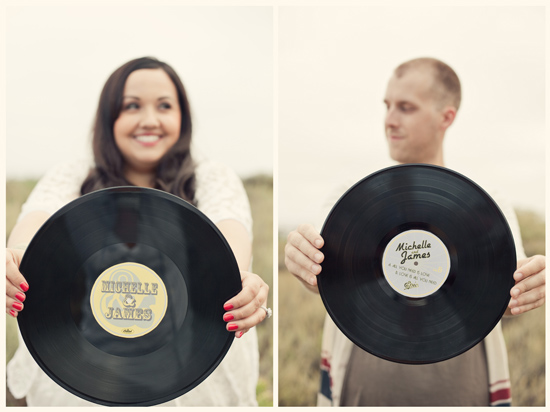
[{"x": 413, "y": 120}]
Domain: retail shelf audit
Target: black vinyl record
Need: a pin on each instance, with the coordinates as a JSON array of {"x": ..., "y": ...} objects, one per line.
[
  {"x": 418, "y": 264},
  {"x": 127, "y": 287}
]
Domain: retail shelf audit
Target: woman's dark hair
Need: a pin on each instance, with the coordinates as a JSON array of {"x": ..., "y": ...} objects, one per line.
[{"x": 176, "y": 171}]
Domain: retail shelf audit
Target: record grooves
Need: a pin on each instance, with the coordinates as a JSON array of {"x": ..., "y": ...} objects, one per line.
[
  {"x": 418, "y": 264},
  {"x": 126, "y": 298}
]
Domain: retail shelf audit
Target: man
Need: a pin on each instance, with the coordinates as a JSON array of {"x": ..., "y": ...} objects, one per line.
[{"x": 422, "y": 100}]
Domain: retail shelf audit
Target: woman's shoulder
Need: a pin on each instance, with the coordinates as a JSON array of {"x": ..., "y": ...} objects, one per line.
[
  {"x": 74, "y": 170},
  {"x": 216, "y": 178},
  {"x": 220, "y": 193},
  {"x": 214, "y": 175},
  {"x": 58, "y": 186},
  {"x": 207, "y": 168}
]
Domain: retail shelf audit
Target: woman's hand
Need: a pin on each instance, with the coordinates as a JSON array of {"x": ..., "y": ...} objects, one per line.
[
  {"x": 529, "y": 291},
  {"x": 16, "y": 285},
  {"x": 244, "y": 310},
  {"x": 302, "y": 255}
]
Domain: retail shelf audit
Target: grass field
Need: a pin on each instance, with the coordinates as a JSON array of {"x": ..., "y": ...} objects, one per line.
[
  {"x": 260, "y": 193},
  {"x": 302, "y": 314}
]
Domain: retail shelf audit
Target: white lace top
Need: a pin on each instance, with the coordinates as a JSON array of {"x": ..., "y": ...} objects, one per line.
[{"x": 220, "y": 195}]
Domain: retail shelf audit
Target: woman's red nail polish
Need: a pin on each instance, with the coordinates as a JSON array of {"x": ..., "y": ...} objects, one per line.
[
  {"x": 13, "y": 313},
  {"x": 17, "y": 305},
  {"x": 20, "y": 296},
  {"x": 232, "y": 326},
  {"x": 228, "y": 306},
  {"x": 240, "y": 334},
  {"x": 24, "y": 286},
  {"x": 228, "y": 316}
]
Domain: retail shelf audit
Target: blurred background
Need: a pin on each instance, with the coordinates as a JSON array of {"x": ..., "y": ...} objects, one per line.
[
  {"x": 58, "y": 58},
  {"x": 59, "y": 55},
  {"x": 333, "y": 66}
]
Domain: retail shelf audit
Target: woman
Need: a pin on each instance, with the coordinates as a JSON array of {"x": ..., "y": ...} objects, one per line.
[{"x": 142, "y": 137}]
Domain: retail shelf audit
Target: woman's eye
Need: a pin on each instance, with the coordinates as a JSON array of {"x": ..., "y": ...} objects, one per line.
[
  {"x": 165, "y": 105},
  {"x": 407, "y": 108},
  {"x": 130, "y": 106}
]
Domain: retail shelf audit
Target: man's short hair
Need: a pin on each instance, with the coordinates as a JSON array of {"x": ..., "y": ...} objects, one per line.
[{"x": 446, "y": 86}]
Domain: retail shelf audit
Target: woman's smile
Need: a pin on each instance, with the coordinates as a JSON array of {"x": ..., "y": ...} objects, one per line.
[{"x": 148, "y": 139}]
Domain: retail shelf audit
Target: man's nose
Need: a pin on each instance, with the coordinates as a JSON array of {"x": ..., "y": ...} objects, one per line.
[{"x": 391, "y": 119}]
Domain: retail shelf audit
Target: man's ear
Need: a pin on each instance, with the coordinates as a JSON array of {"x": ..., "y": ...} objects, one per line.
[{"x": 449, "y": 114}]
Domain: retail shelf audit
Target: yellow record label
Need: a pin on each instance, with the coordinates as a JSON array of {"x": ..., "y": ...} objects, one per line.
[{"x": 129, "y": 300}]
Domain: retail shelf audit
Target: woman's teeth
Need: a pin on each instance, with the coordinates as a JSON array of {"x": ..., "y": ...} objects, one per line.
[{"x": 148, "y": 138}]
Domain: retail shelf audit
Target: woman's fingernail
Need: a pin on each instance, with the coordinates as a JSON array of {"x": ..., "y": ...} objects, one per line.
[
  {"x": 228, "y": 316},
  {"x": 515, "y": 311},
  {"x": 518, "y": 276},
  {"x": 312, "y": 281},
  {"x": 318, "y": 257},
  {"x": 240, "y": 334},
  {"x": 315, "y": 268},
  {"x": 232, "y": 326},
  {"x": 228, "y": 306},
  {"x": 513, "y": 303},
  {"x": 13, "y": 313},
  {"x": 20, "y": 296},
  {"x": 17, "y": 305},
  {"x": 318, "y": 242},
  {"x": 515, "y": 292},
  {"x": 24, "y": 286}
]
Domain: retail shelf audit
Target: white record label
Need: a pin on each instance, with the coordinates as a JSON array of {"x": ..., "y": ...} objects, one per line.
[{"x": 416, "y": 263}]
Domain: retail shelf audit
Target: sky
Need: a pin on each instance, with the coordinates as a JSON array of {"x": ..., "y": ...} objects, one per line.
[
  {"x": 333, "y": 68},
  {"x": 293, "y": 90},
  {"x": 58, "y": 57}
]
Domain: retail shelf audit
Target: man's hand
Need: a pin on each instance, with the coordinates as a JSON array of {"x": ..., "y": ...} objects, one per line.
[
  {"x": 302, "y": 255},
  {"x": 529, "y": 292}
]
